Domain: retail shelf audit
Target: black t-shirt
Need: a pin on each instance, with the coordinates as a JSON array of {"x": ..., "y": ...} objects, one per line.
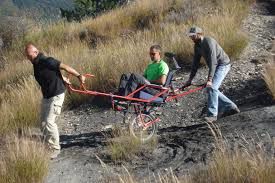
[{"x": 48, "y": 75}]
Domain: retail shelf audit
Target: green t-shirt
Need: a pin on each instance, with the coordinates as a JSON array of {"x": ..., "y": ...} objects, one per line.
[{"x": 155, "y": 70}]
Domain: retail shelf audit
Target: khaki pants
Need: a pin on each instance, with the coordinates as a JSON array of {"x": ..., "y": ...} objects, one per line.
[{"x": 50, "y": 109}]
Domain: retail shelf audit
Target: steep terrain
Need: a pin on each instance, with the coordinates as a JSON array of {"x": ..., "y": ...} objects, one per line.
[
  {"x": 47, "y": 8},
  {"x": 184, "y": 141}
]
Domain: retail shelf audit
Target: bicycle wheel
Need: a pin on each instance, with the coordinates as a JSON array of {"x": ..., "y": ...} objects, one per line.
[{"x": 139, "y": 131}]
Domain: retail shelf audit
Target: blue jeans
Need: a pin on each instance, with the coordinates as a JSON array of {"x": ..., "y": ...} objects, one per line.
[{"x": 218, "y": 102}]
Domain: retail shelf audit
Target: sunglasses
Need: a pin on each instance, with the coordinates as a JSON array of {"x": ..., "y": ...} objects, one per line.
[{"x": 153, "y": 54}]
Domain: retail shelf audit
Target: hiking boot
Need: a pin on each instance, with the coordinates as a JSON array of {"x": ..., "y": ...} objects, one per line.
[
  {"x": 232, "y": 111},
  {"x": 54, "y": 153},
  {"x": 210, "y": 119}
]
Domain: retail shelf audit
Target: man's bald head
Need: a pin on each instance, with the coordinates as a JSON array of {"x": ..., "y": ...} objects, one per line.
[{"x": 31, "y": 51}]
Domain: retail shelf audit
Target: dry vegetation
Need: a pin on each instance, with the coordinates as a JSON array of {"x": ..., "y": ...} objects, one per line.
[
  {"x": 23, "y": 160},
  {"x": 248, "y": 161},
  {"x": 19, "y": 106},
  {"x": 269, "y": 73},
  {"x": 123, "y": 146}
]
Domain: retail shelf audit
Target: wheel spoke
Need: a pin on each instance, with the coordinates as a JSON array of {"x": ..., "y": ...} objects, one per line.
[{"x": 138, "y": 128}]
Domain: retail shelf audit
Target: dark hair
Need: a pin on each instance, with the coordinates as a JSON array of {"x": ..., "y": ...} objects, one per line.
[{"x": 156, "y": 47}]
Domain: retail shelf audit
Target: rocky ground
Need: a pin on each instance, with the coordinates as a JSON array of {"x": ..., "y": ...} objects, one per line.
[{"x": 184, "y": 141}]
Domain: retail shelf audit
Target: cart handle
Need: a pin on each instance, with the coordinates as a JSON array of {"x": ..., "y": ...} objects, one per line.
[
  {"x": 82, "y": 85},
  {"x": 196, "y": 85}
]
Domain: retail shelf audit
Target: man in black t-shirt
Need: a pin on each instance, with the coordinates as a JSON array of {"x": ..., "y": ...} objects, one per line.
[{"x": 47, "y": 72}]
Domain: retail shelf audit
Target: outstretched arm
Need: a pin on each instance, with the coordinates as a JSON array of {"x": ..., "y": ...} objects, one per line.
[
  {"x": 195, "y": 65},
  {"x": 72, "y": 71}
]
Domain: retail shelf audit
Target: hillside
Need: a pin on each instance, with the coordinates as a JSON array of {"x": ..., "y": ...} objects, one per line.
[
  {"x": 45, "y": 8},
  {"x": 95, "y": 140},
  {"x": 185, "y": 143}
]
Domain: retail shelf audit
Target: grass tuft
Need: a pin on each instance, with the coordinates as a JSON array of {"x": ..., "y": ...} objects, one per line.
[
  {"x": 23, "y": 160},
  {"x": 122, "y": 146},
  {"x": 247, "y": 161}
]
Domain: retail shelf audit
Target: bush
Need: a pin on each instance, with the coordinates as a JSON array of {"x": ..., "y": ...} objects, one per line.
[
  {"x": 13, "y": 28},
  {"x": 89, "y": 8}
]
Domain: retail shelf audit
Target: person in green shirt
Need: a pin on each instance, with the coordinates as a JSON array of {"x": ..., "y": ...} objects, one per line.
[{"x": 155, "y": 73}]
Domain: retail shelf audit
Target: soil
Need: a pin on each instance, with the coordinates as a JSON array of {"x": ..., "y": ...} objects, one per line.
[{"x": 184, "y": 141}]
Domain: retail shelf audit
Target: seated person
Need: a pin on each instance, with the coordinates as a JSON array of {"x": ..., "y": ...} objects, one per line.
[{"x": 155, "y": 73}]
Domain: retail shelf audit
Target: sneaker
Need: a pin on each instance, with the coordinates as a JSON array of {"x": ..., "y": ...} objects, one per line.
[
  {"x": 120, "y": 105},
  {"x": 118, "y": 108},
  {"x": 232, "y": 111},
  {"x": 54, "y": 153},
  {"x": 210, "y": 119},
  {"x": 107, "y": 127}
]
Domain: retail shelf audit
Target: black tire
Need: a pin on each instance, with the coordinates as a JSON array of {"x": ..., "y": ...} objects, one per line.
[{"x": 138, "y": 131}]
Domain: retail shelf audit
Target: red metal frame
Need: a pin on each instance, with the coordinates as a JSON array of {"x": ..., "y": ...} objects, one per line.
[
  {"x": 171, "y": 95},
  {"x": 163, "y": 90}
]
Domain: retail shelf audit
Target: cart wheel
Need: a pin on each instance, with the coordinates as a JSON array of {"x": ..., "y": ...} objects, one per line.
[{"x": 139, "y": 131}]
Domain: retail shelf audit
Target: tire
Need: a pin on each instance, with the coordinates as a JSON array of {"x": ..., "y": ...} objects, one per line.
[{"x": 137, "y": 131}]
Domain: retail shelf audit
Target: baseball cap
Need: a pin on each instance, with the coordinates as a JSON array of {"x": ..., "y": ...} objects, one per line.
[{"x": 194, "y": 30}]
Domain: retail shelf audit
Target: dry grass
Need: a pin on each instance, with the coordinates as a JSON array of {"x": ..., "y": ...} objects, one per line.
[
  {"x": 12, "y": 74},
  {"x": 19, "y": 106},
  {"x": 168, "y": 177},
  {"x": 23, "y": 160},
  {"x": 140, "y": 15},
  {"x": 269, "y": 77},
  {"x": 269, "y": 73},
  {"x": 238, "y": 166},
  {"x": 246, "y": 161},
  {"x": 122, "y": 146}
]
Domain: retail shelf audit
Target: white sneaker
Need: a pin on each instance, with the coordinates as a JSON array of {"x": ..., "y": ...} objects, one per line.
[
  {"x": 107, "y": 127},
  {"x": 54, "y": 153}
]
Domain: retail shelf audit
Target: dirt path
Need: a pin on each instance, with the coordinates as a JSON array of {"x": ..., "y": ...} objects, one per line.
[{"x": 184, "y": 141}]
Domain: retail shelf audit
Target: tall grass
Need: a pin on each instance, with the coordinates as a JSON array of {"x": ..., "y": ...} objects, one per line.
[
  {"x": 245, "y": 161},
  {"x": 238, "y": 166},
  {"x": 269, "y": 77},
  {"x": 23, "y": 160},
  {"x": 19, "y": 106},
  {"x": 12, "y": 74}
]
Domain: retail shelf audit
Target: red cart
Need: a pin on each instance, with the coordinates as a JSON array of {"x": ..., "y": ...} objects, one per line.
[{"x": 142, "y": 106}]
